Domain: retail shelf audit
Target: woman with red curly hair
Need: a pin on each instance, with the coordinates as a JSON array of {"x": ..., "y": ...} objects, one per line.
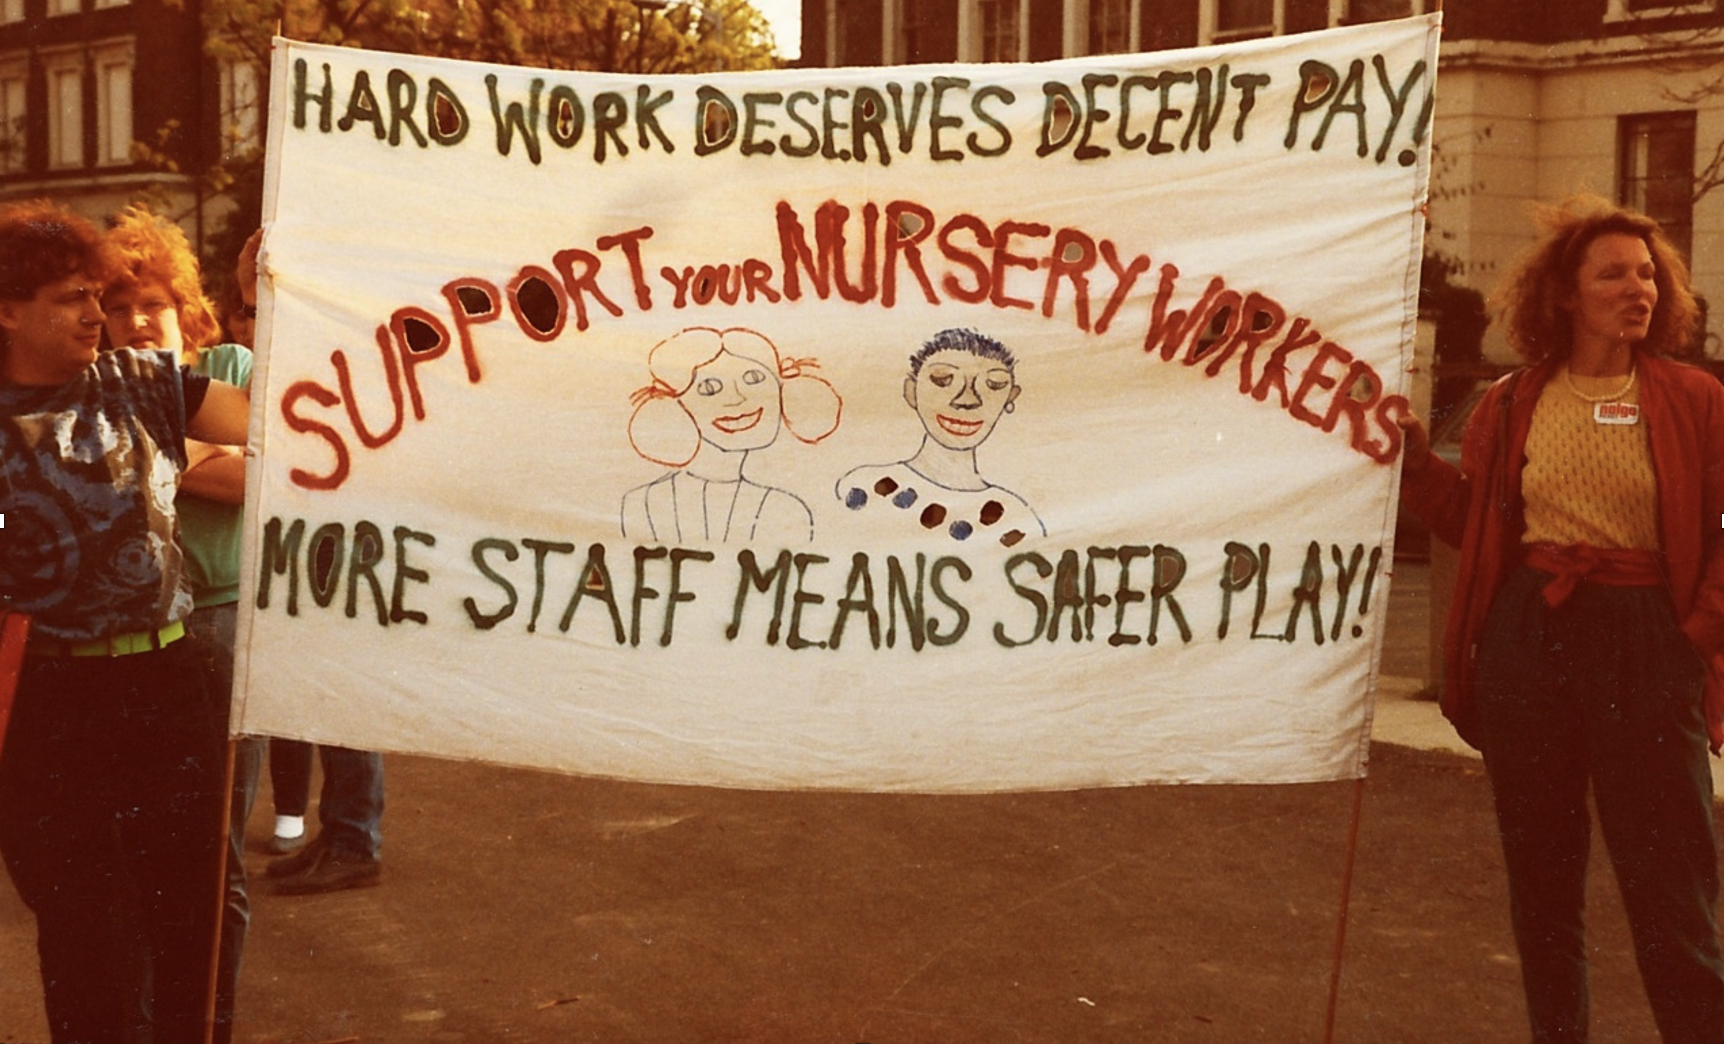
[
  {"x": 157, "y": 295},
  {"x": 1585, "y": 634},
  {"x": 155, "y": 302},
  {"x": 716, "y": 397}
]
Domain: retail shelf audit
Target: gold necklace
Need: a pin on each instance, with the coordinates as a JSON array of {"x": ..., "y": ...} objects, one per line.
[{"x": 1568, "y": 377}]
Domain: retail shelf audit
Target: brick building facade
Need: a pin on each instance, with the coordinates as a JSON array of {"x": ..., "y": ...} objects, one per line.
[{"x": 85, "y": 83}]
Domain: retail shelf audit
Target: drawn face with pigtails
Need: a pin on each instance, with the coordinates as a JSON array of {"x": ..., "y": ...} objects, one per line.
[
  {"x": 730, "y": 390},
  {"x": 736, "y": 402}
]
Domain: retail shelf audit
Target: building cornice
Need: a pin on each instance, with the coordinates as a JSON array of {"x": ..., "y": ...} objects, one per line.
[
  {"x": 1699, "y": 47},
  {"x": 30, "y": 188}
]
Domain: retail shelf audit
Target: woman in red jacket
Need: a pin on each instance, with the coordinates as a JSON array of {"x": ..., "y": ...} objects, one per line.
[{"x": 1589, "y": 607}]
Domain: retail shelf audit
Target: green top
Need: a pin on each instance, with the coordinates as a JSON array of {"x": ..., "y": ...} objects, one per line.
[{"x": 210, "y": 532}]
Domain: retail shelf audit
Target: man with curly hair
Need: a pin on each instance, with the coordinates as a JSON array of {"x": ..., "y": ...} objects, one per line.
[{"x": 111, "y": 774}]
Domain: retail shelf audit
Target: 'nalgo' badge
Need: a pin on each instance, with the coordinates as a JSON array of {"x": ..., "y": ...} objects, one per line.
[{"x": 1616, "y": 413}]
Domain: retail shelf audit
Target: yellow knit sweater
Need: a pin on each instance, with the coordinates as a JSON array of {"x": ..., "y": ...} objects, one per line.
[{"x": 1586, "y": 482}]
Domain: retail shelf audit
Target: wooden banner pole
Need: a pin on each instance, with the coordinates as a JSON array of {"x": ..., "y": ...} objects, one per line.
[
  {"x": 1351, "y": 861},
  {"x": 221, "y": 895}
]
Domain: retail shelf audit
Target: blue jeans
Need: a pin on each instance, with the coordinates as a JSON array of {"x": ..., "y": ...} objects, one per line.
[{"x": 350, "y": 806}]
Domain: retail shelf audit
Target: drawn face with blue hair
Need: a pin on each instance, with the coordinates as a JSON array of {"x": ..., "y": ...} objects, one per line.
[{"x": 959, "y": 384}]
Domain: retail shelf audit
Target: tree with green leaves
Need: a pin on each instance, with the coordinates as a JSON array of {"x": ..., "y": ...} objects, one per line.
[
  {"x": 652, "y": 36},
  {"x": 646, "y": 36}
]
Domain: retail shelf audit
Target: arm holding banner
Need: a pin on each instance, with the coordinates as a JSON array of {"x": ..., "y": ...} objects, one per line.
[
  {"x": 215, "y": 472},
  {"x": 1437, "y": 490},
  {"x": 223, "y": 417},
  {"x": 246, "y": 271}
]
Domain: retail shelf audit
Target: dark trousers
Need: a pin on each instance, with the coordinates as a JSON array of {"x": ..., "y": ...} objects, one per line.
[
  {"x": 210, "y": 634},
  {"x": 350, "y": 805},
  {"x": 110, "y": 816},
  {"x": 1603, "y": 691},
  {"x": 290, "y": 776}
]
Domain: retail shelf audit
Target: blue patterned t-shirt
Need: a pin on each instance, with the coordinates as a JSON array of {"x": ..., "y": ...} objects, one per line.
[{"x": 88, "y": 473}]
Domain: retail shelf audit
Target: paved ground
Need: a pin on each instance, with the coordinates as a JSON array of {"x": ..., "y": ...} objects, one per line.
[{"x": 520, "y": 906}]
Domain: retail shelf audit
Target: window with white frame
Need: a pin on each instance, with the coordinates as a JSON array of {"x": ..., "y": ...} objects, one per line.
[
  {"x": 1655, "y": 170},
  {"x": 1001, "y": 30},
  {"x": 113, "y": 65},
  {"x": 1224, "y": 20},
  {"x": 1358, "y": 12},
  {"x": 112, "y": 3},
  {"x": 64, "y": 7},
  {"x": 14, "y": 115},
  {"x": 63, "y": 73},
  {"x": 241, "y": 126},
  {"x": 1110, "y": 27},
  {"x": 11, "y": 11},
  {"x": 1623, "y": 10}
]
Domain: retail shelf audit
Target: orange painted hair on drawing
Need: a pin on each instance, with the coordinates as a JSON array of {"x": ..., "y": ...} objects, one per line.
[{"x": 662, "y": 431}]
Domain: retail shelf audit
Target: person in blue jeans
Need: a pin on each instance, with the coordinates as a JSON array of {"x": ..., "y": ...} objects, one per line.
[
  {"x": 348, "y": 849},
  {"x": 290, "y": 764},
  {"x": 290, "y": 790}
]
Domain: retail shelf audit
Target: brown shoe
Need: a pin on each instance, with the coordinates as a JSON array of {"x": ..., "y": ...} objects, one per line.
[
  {"x": 335, "y": 871},
  {"x": 297, "y": 863}
]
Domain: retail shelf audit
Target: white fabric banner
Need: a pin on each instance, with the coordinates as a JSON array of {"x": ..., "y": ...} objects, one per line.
[{"x": 954, "y": 428}]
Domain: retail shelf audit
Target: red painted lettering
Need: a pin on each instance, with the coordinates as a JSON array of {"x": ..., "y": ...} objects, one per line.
[
  {"x": 1074, "y": 254},
  {"x": 322, "y": 396},
  {"x": 344, "y": 381}
]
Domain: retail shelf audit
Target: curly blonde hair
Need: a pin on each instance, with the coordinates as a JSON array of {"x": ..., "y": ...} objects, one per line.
[
  {"x": 148, "y": 248},
  {"x": 1531, "y": 299}
]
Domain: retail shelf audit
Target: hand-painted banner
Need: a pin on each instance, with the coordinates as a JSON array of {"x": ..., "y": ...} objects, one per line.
[{"x": 951, "y": 428}]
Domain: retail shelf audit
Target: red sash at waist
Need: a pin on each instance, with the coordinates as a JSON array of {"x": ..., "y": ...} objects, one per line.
[{"x": 1572, "y": 563}]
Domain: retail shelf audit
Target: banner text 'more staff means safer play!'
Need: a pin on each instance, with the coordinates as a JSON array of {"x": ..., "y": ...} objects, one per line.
[{"x": 957, "y": 428}]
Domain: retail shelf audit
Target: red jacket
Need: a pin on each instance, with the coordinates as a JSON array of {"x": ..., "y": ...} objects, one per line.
[{"x": 1683, "y": 410}]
